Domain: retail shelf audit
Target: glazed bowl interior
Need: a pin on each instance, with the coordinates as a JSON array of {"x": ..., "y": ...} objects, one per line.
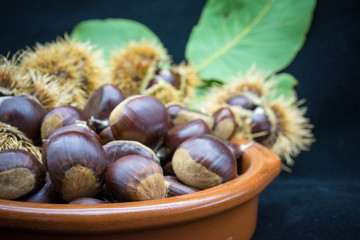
[{"x": 259, "y": 167}]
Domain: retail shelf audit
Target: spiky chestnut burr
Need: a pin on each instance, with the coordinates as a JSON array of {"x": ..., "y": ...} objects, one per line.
[
  {"x": 130, "y": 64},
  {"x": 12, "y": 138},
  {"x": 140, "y": 118},
  {"x": 165, "y": 84},
  {"x": 76, "y": 165},
  {"x": 100, "y": 104},
  {"x": 20, "y": 174},
  {"x": 253, "y": 86},
  {"x": 293, "y": 132},
  {"x": 135, "y": 178},
  {"x": 204, "y": 162},
  {"x": 70, "y": 62},
  {"x": 11, "y": 82},
  {"x": 23, "y": 113}
]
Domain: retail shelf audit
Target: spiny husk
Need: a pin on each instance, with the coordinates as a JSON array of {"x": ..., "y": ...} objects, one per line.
[
  {"x": 11, "y": 82},
  {"x": 70, "y": 62},
  {"x": 48, "y": 90},
  {"x": 12, "y": 138},
  {"x": 129, "y": 65},
  {"x": 191, "y": 78},
  {"x": 253, "y": 85},
  {"x": 293, "y": 131}
]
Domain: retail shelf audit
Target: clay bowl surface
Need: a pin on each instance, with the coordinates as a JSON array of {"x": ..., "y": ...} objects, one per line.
[{"x": 228, "y": 211}]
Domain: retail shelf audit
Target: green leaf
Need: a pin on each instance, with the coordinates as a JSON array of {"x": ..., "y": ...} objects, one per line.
[
  {"x": 233, "y": 35},
  {"x": 284, "y": 86},
  {"x": 111, "y": 34}
]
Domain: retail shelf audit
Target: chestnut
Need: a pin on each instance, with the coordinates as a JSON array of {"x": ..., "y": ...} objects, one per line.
[
  {"x": 100, "y": 104},
  {"x": 204, "y": 162},
  {"x": 23, "y": 113},
  {"x": 241, "y": 101},
  {"x": 180, "y": 133},
  {"x": 140, "y": 118},
  {"x": 176, "y": 188},
  {"x": 79, "y": 126},
  {"x": 60, "y": 117},
  {"x": 20, "y": 174},
  {"x": 135, "y": 178},
  {"x": 225, "y": 124},
  {"x": 261, "y": 125},
  {"x": 165, "y": 75},
  {"x": 168, "y": 169},
  {"x": 238, "y": 150},
  {"x": 106, "y": 135},
  {"x": 46, "y": 194},
  {"x": 118, "y": 149},
  {"x": 86, "y": 201},
  {"x": 180, "y": 115},
  {"x": 76, "y": 164}
]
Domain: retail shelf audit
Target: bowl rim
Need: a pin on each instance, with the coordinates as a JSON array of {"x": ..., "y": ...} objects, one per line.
[{"x": 262, "y": 167}]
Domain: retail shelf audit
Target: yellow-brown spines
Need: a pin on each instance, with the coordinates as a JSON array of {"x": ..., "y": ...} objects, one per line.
[
  {"x": 130, "y": 64},
  {"x": 293, "y": 132},
  {"x": 71, "y": 63}
]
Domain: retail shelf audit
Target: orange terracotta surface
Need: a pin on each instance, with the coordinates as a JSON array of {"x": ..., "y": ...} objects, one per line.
[{"x": 228, "y": 211}]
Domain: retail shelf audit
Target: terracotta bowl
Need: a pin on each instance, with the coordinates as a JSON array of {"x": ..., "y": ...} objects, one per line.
[{"x": 228, "y": 211}]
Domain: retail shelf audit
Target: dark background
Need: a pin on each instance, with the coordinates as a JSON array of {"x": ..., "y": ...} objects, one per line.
[{"x": 321, "y": 198}]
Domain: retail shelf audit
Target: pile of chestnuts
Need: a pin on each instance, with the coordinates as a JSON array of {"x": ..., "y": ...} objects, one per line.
[{"x": 116, "y": 149}]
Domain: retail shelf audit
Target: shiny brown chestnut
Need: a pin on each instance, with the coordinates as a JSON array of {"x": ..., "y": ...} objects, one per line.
[
  {"x": 180, "y": 133},
  {"x": 60, "y": 117},
  {"x": 86, "y": 201},
  {"x": 204, "y": 162},
  {"x": 23, "y": 113},
  {"x": 225, "y": 124},
  {"x": 135, "y": 178},
  {"x": 241, "y": 101},
  {"x": 237, "y": 150},
  {"x": 180, "y": 115},
  {"x": 168, "y": 169},
  {"x": 79, "y": 126},
  {"x": 20, "y": 174},
  {"x": 261, "y": 128},
  {"x": 117, "y": 149},
  {"x": 176, "y": 188},
  {"x": 76, "y": 165},
  {"x": 100, "y": 104},
  {"x": 106, "y": 135},
  {"x": 140, "y": 118},
  {"x": 46, "y": 194},
  {"x": 167, "y": 76}
]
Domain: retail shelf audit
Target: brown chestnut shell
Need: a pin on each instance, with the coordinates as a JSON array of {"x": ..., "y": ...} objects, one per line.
[
  {"x": 204, "y": 162},
  {"x": 76, "y": 165},
  {"x": 59, "y": 117},
  {"x": 180, "y": 133},
  {"x": 117, "y": 149},
  {"x": 140, "y": 118},
  {"x": 20, "y": 174},
  {"x": 24, "y": 114},
  {"x": 135, "y": 178},
  {"x": 100, "y": 104}
]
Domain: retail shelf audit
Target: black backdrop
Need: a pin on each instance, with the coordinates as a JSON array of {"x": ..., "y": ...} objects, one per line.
[{"x": 321, "y": 198}]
